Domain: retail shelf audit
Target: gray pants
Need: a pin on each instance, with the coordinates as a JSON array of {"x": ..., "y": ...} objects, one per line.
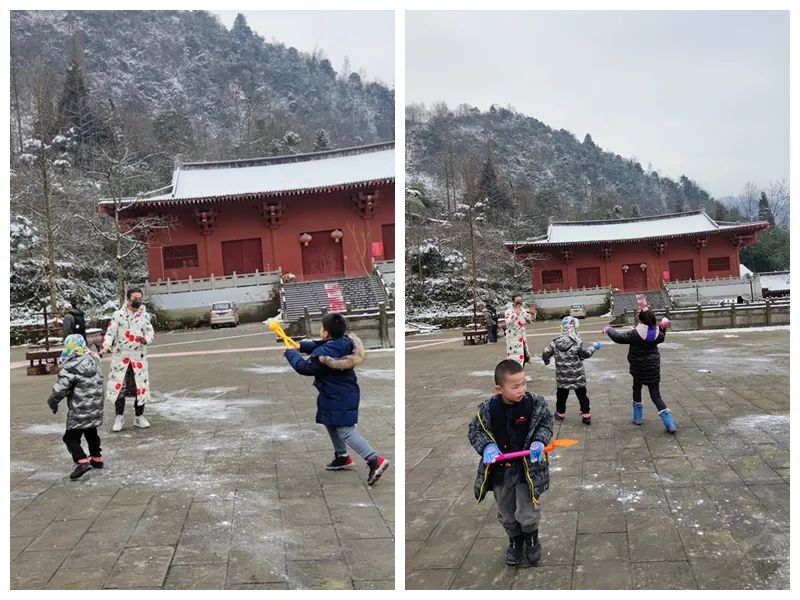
[
  {"x": 350, "y": 436},
  {"x": 515, "y": 511}
]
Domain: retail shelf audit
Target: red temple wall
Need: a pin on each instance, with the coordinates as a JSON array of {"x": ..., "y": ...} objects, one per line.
[
  {"x": 633, "y": 254},
  {"x": 280, "y": 247}
]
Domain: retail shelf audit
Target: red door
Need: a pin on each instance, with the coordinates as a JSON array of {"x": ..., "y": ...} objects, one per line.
[
  {"x": 323, "y": 257},
  {"x": 681, "y": 270},
  {"x": 242, "y": 256},
  {"x": 634, "y": 279},
  {"x": 387, "y": 233}
]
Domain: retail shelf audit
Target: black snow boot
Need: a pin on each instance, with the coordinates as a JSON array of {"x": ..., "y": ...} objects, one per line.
[
  {"x": 533, "y": 549},
  {"x": 514, "y": 550},
  {"x": 80, "y": 469}
]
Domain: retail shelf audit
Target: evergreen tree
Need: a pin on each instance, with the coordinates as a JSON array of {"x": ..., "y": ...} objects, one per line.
[
  {"x": 635, "y": 211},
  {"x": 322, "y": 141},
  {"x": 764, "y": 210},
  {"x": 491, "y": 191},
  {"x": 75, "y": 112},
  {"x": 291, "y": 141}
]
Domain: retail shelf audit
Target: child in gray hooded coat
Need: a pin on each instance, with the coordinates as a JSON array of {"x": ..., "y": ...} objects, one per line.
[
  {"x": 570, "y": 353},
  {"x": 80, "y": 381}
]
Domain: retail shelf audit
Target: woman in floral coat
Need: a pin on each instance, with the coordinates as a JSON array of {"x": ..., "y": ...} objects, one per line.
[
  {"x": 517, "y": 317},
  {"x": 128, "y": 334}
]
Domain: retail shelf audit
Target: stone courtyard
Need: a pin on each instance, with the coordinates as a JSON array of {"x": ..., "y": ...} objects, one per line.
[
  {"x": 227, "y": 489},
  {"x": 628, "y": 507}
]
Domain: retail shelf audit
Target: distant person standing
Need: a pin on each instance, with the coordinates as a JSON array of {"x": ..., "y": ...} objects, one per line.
[
  {"x": 74, "y": 320},
  {"x": 490, "y": 316},
  {"x": 517, "y": 317}
]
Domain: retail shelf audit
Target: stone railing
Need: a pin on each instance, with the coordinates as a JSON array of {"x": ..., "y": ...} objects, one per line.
[
  {"x": 754, "y": 314},
  {"x": 172, "y": 286}
]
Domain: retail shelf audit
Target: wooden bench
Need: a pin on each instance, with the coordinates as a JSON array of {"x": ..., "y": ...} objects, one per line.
[
  {"x": 42, "y": 361},
  {"x": 473, "y": 337}
]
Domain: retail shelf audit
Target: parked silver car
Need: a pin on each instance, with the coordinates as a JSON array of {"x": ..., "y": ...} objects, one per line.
[
  {"x": 578, "y": 311},
  {"x": 224, "y": 313}
]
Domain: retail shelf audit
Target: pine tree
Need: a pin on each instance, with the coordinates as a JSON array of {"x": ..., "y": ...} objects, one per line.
[
  {"x": 74, "y": 106},
  {"x": 764, "y": 210},
  {"x": 490, "y": 190},
  {"x": 322, "y": 141},
  {"x": 635, "y": 211}
]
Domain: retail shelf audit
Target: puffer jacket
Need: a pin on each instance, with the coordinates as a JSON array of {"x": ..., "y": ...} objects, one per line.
[
  {"x": 332, "y": 364},
  {"x": 80, "y": 381},
  {"x": 569, "y": 353},
  {"x": 540, "y": 429},
  {"x": 643, "y": 356}
]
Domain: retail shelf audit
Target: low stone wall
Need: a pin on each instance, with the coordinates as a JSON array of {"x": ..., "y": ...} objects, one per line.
[
  {"x": 709, "y": 291},
  {"x": 187, "y": 303},
  {"x": 761, "y": 314},
  {"x": 554, "y": 305}
]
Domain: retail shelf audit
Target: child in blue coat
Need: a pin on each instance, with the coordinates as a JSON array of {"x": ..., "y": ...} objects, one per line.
[{"x": 332, "y": 363}]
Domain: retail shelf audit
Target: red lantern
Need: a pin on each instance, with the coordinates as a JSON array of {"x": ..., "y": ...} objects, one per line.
[
  {"x": 665, "y": 275},
  {"x": 377, "y": 249}
]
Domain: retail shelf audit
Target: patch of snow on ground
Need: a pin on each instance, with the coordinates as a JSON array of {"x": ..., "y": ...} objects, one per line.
[
  {"x": 630, "y": 497},
  {"x": 204, "y": 404},
  {"x": 386, "y": 374},
  {"x": 765, "y": 422},
  {"x": 268, "y": 370},
  {"x": 46, "y": 428},
  {"x": 466, "y": 392},
  {"x": 481, "y": 374}
]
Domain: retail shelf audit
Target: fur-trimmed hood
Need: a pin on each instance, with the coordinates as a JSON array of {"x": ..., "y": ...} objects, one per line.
[{"x": 352, "y": 360}]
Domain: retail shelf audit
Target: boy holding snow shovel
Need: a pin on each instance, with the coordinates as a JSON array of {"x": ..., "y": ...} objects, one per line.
[{"x": 513, "y": 420}]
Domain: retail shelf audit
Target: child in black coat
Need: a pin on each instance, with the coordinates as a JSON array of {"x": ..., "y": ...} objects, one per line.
[{"x": 645, "y": 363}]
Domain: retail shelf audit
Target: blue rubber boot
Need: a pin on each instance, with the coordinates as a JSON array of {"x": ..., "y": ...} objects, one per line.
[
  {"x": 638, "y": 411},
  {"x": 669, "y": 423}
]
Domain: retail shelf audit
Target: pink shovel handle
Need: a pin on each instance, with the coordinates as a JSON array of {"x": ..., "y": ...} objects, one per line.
[{"x": 510, "y": 455}]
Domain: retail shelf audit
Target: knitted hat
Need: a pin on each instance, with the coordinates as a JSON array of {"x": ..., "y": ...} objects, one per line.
[
  {"x": 569, "y": 324},
  {"x": 73, "y": 345}
]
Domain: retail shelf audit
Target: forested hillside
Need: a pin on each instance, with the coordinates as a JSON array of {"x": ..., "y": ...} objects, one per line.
[{"x": 102, "y": 102}]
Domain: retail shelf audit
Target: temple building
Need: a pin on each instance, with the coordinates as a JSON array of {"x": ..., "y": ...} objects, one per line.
[
  {"x": 317, "y": 216},
  {"x": 634, "y": 255}
]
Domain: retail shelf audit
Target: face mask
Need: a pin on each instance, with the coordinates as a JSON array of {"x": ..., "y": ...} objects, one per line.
[{"x": 136, "y": 303}]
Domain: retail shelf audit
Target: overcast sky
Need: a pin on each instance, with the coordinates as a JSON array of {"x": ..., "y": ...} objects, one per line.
[
  {"x": 366, "y": 37},
  {"x": 704, "y": 94}
]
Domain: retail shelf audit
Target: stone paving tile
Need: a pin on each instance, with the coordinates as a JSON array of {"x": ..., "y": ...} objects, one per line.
[
  {"x": 196, "y": 577},
  {"x": 225, "y": 489},
  {"x": 663, "y": 575},
  {"x": 629, "y": 507},
  {"x": 142, "y": 567}
]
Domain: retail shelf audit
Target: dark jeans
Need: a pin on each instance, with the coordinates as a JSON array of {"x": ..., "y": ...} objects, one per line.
[
  {"x": 491, "y": 332},
  {"x": 561, "y": 399},
  {"x": 72, "y": 438},
  {"x": 128, "y": 389},
  {"x": 655, "y": 394}
]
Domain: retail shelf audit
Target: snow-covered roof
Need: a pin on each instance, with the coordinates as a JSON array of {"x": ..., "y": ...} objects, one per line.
[
  {"x": 694, "y": 222},
  {"x": 775, "y": 281},
  {"x": 280, "y": 175}
]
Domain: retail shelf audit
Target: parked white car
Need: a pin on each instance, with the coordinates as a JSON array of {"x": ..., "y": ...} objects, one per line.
[
  {"x": 224, "y": 313},
  {"x": 578, "y": 311}
]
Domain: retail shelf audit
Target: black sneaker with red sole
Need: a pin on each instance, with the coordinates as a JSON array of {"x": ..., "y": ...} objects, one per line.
[
  {"x": 340, "y": 463},
  {"x": 377, "y": 467}
]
